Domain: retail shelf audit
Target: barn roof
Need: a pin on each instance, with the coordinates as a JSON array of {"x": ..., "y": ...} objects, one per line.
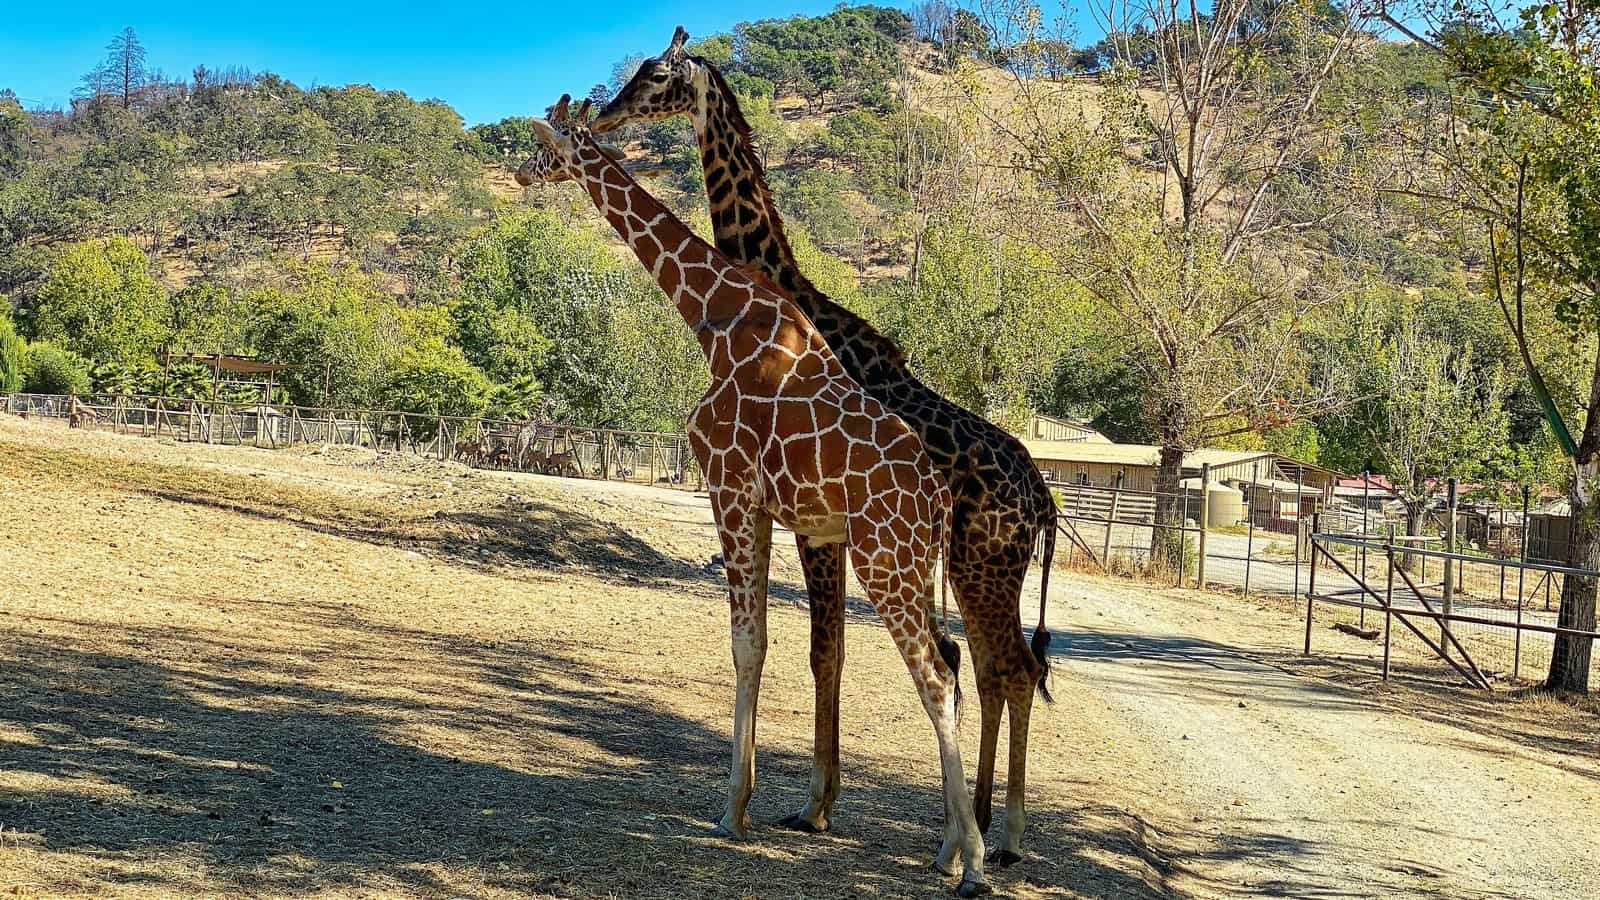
[{"x": 1147, "y": 455}]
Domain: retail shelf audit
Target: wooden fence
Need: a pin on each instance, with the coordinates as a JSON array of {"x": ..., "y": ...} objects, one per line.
[{"x": 636, "y": 456}]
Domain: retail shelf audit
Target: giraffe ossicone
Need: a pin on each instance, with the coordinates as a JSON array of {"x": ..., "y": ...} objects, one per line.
[{"x": 784, "y": 434}]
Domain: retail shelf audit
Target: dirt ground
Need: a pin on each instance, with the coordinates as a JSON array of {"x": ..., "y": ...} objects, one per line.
[{"x": 251, "y": 673}]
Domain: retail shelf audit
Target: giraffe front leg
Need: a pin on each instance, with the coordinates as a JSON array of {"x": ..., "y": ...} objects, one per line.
[
  {"x": 823, "y": 565},
  {"x": 746, "y": 532}
]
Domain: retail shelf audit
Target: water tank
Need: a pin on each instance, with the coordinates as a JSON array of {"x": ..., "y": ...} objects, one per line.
[{"x": 1228, "y": 503}]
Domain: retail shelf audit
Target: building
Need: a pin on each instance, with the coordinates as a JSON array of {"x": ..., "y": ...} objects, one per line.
[
  {"x": 1550, "y": 532},
  {"x": 1041, "y": 427},
  {"x": 1274, "y": 487}
]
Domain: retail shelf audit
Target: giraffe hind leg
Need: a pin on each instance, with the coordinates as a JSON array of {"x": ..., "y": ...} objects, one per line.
[{"x": 823, "y": 565}]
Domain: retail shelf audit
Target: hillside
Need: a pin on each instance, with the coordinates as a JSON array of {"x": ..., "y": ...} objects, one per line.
[{"x": 379, "y": 244}]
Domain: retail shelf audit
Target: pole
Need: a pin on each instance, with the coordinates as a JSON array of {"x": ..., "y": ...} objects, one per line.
[
  {"x": 1388, "y": 603},
  {"x": 1311, "y": 583},
  {"x": 1299, "y": 498},
  {"x": 1450, "y": 547},
  {"x": 1250, "y": 533},
  {"x": 1366, "y": 505},
  {"x": 1205, "y": 524},
  {"x": 1105, "y": 548}
]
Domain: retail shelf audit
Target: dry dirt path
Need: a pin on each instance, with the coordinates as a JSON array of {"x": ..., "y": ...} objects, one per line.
[
  {"x": 227, "y": 672},
  {"x": 1296, "y": 785}
]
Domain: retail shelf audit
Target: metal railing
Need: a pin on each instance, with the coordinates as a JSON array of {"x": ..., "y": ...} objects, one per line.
[{"x": 1482, "y": 626}]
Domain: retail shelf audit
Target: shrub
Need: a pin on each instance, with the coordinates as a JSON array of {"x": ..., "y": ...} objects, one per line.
[
  {"x": 13, "y": 355},
  {"x": 52, "y": 370}
]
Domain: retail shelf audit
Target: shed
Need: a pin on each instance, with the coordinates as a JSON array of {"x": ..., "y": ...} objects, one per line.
[{"x": 1041, "y": 427}]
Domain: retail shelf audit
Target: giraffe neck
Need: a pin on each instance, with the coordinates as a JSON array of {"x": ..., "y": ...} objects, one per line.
[
  {"x": 656, "y": 237},
  {"x": 744, "y": 217},
  {"x": 749, "y": 230}
]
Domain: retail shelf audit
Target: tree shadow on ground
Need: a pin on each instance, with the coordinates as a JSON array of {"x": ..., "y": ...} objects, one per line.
[{"x": 379, "y": 758}]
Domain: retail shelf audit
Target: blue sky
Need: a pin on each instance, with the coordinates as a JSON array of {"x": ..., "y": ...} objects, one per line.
[{"x": 486, "y": 60}]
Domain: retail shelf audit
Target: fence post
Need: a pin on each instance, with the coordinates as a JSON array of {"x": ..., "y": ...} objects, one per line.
[
  {"x": 1366, "y": 506},
  {"x": 1449, "y": 560},
  {"x": 1522, "y": 544},
  {"x": 1311, "y": 582},
  {"x": 1299, "y": 498},
  {"x": 1250, "y": 534},
  {"x": 1111, "y": 518},
  {"x": 1388, "y": 603},
  {"x": 1205, "y": 524}
]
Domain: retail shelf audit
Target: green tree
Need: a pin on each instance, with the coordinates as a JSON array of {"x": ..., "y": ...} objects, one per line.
[
  {"x": 54, "y": 370},
  {"x": 13, "y": 352},
  {"x": 1521, "y": 166},
  {"x": 435, "y": 379},
  {"x": 337, "y": 331},
  {"x": 101, "y": 302}
]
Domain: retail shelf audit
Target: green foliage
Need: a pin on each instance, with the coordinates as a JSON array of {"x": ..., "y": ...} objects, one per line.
[
  {"x": 337, "y": 330},
  {"x": 201, "y": 318},
  {"x": 434, "y": 379},
  {"x": 984, "y": 320},
  {"x": 54, "y": 370},
  {"x": 101, "y": 302},
  {"x": 13, "y": 352},
  {"x": 848, "y": 51},
  {"x": 517, "y": 401},
  {"x": 603, "y": 342},
  {"x": 183, "y": 381},
  {"x": 116, "y": 379}
]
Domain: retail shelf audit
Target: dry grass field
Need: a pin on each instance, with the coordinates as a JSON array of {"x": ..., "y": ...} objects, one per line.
[{"x": 230, "y": 672}]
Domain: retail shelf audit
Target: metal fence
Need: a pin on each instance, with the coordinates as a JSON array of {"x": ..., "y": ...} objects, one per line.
[
  {"x": 1426, "y": 610},
  {"x": 635, "y": 456},
  {"x": 1118, "y": 531}
]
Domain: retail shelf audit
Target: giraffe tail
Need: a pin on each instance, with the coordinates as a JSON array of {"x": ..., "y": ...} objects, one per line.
[
  {"x": 1041, "y": 634},
  {"x": 949, "y": 650}
]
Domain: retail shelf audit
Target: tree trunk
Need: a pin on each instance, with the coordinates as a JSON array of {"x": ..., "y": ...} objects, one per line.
[
  {"x": 1414, "y": 509},
  {"x": 1166, "y": 539},
  {"x": 1569, "y": 658}
]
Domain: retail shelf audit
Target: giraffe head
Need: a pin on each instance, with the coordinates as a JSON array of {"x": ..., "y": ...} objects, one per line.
[
  {"x": 663, "y": 87},
  {"x": 564, "y": 140}
]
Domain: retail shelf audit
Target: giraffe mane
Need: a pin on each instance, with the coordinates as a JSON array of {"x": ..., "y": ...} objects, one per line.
[{"x": 741, "y": 126}]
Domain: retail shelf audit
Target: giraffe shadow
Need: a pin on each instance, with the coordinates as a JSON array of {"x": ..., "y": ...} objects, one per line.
[{"x": 184, "y": 762}]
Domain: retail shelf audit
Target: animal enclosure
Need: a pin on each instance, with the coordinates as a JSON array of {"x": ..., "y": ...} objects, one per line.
[{"x": 635, "y": 456}]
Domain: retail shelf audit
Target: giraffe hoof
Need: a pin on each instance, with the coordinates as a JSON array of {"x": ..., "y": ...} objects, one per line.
[
  {"x": 1002, "y": 858},
  {"x": 800, "y": 823},
  {"x": 721, "y": 830},
  {"x": 973, "y": 888}
]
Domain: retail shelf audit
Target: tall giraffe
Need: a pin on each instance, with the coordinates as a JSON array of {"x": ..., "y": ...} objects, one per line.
[
  {"x": 1002, "y": 505},
  {"x": 784, "y": 434}
]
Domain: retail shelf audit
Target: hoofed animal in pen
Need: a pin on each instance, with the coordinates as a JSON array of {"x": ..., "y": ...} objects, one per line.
[
  {"x": 1003, "y": 508},
  {"x": 783, "y": 433},
  {"x": 564, "y": 464}
]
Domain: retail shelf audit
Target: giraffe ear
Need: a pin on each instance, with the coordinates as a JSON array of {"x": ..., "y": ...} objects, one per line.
[
  {"x": 613, "y": 151},
  {"x": 679, "y": 38},
  {"x": 543, "y": 132}
]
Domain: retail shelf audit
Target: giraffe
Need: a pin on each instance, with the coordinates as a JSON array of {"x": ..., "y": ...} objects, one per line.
[
  {"x": 1002, "y": 506},
  {"x": 783, "y": 434}
]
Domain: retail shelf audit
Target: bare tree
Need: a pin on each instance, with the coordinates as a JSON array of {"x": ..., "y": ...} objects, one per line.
[
  {"x": 121, "y": 74},
  {"x": 1162, "y": 189}
]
